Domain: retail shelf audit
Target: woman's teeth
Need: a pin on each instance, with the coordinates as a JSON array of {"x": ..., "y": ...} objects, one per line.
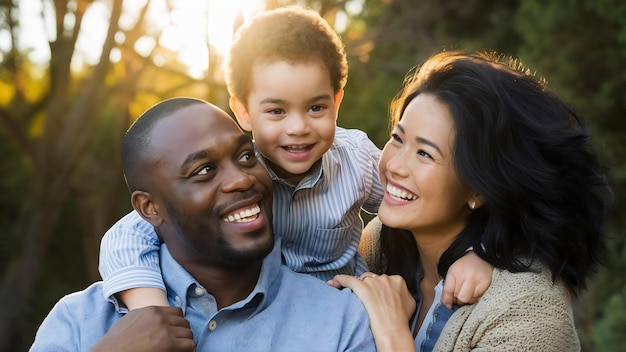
[{"x": 398, "y": 193}]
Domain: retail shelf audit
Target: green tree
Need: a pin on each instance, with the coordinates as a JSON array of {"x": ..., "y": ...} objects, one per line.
[
  {"x": 63, "y": 127},
  {"x": 580, "y": 45}
]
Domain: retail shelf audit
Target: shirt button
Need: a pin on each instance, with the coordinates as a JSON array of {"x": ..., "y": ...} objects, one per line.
[
  {"x": 212, "y": 325},
  {"x": 199, "y": 291},
  {"x": 178, "y": 300}
]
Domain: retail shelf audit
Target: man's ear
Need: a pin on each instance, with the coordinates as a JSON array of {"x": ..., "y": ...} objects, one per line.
[
  {"x": 142, "y": 203},
  {"x": 241, "y": 113},
  {"x": 338, "y": 99}
]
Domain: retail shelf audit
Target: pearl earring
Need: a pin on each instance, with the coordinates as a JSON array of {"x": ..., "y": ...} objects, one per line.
[{"x": 473, "y": 205}]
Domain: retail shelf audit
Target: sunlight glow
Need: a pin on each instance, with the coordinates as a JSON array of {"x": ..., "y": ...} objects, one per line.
[
  {"x": 189, "y": 27},
  {"x": 194, "y": 24}
]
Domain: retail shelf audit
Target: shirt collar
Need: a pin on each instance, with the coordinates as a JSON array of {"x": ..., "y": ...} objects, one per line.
[
  {"x": 307, "y": 182},
  {"x": 179, "y": 283}
]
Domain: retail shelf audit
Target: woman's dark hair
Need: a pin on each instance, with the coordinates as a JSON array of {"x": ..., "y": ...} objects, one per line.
[{"x": 527, "y": 153}]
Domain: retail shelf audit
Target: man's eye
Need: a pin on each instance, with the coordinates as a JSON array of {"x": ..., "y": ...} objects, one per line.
[
  {"x": 316, "y": 108},
  {"x": 247, "y": 157},
  {"x": 205, "y": 170}
]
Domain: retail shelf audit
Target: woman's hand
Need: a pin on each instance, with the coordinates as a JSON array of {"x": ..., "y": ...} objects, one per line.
[{"x": 389, "y": 305}]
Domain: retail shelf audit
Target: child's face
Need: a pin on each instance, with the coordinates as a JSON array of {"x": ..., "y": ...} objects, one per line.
[{"x": 292, "y": 113}]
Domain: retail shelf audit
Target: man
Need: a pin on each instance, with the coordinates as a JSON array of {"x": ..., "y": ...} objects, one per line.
[{"x": 194, "y": 177}]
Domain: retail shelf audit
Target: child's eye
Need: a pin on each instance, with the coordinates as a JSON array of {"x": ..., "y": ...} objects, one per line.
[
  {"x": 316, "y": 108},
  {"x": 276, "y": 111}
]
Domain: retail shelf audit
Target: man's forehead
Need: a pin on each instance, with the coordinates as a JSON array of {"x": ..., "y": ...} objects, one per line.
[
  {"x": 193, "y": 128},
  {"x": 198, "y": 116}
]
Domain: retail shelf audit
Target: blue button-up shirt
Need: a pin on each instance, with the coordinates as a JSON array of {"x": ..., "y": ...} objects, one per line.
[
  {"x": 286, "y": 311},
  {"x": 436, "y": 318}
]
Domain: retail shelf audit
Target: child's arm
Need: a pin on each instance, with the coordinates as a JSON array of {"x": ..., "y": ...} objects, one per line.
[
  {"x": 467, "y": 280},
  {"x": 143, "y": 296},
  {"x": 129, "y": 263}
]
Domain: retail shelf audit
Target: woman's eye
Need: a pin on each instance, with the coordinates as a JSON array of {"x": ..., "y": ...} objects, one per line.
[
  {"x": 424, "y": 154},
  {"x": 396, "y": 138}
]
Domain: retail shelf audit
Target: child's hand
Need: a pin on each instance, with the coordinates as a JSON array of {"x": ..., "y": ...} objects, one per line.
[{"x": 467, "y": 280}]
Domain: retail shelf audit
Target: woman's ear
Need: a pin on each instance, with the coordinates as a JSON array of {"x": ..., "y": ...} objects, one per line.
[
  {"x": 241, "y": 113},
  {"x": 475, "y": 201},
  {"x": 143, "y": 204}
]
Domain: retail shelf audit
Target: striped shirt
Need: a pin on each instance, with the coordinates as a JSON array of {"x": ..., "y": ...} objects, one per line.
[{"x": 319, "y": 220}]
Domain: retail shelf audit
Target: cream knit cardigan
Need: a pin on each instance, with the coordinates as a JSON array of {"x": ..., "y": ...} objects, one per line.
[{"x": 519, "y": 312}]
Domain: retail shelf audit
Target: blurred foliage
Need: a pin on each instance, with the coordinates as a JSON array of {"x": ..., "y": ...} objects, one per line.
[{"x": 578, "y": 45}]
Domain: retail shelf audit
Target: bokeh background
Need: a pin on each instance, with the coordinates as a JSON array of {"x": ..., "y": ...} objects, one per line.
[{"x": 75, "y": 73}]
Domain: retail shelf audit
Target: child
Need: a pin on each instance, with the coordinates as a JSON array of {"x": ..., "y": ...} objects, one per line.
[{"x": 286, "y": 71}]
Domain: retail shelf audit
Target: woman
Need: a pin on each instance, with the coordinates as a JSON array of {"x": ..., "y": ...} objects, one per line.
[{"x": 482, "y": 155}]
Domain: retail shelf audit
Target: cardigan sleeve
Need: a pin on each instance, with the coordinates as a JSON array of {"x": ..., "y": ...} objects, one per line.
[
  {"x": 519, "y": 312},
  {"x": 369, "y": 246}
]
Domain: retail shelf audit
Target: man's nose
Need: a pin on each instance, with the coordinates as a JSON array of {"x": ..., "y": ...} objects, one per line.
[{"x": 236, "y": 179}]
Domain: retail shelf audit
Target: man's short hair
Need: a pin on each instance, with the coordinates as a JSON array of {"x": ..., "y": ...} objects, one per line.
[{"x": 136, "y": 151}]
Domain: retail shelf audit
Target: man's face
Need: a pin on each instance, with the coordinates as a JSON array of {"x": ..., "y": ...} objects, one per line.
[{"x": 214, "y": 197}]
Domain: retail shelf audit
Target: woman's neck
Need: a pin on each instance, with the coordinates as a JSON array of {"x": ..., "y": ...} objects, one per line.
[{"x": 430, "y": 249}]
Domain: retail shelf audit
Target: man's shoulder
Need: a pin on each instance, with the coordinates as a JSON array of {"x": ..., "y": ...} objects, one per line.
[
  {"x": 89, "y": 301},
  {"x": 76, "y": 322},
  {"x": 312, "y": 298},
  {"x": 312, "y": 289}
]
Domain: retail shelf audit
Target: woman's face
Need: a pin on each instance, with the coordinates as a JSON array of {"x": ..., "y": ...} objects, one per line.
[{"x": 423, "y": 193}]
